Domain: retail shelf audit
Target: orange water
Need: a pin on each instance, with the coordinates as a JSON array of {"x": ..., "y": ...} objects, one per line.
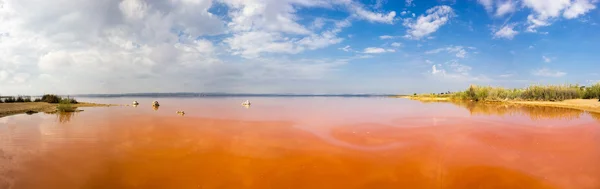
[{"x": 301, "y": 143}]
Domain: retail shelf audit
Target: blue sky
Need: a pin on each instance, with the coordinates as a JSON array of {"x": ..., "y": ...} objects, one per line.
[{"x": 294, "y": 46}]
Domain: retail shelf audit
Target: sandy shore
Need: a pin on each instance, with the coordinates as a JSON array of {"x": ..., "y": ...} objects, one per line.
[
  {"x": 426, "y": 98},
  {"x": 7, "y": 109},
  {"x": 590, "y": 105}
]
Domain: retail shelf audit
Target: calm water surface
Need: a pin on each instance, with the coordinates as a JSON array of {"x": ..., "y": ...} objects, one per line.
[{"x": 301, "y": 143}]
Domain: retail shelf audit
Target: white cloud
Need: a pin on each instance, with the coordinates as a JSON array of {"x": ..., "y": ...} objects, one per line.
[
  {"x": 396, "y": 44},
  {"x": 487, "y": 4},
  {"x": 360, "y": 12},
  {"x": 546, "y": 59},
  {"x": 409, "y": 3},
  {"x": 133, "y": 9},
  {"x": 437, "y": 71},
  {"x": 506, "y": 32},
  {"x": 452, "y": 70},
  {"x": 535, "y": 23},
  {"x": 387, "y": 37},
  {"x": 459, "y": 50},
  {"x": 579, "y": 7},
  {"x": 427, "y": 24},
  {"x": 252, "y": 44},
  {"x": 138, "y": 43},
  {"x": 506, "y": 75},
  {"x": 428, "y": 61},
  {"x": 346, "y": 48},
  {"x": 55, "y": 60},
  {"x": 318, "y": 23},
  {"x": 505, "y": 7},
  {"x": 377, "y": 50},
  {"x": 403, "y": 13},
  {"x": 547, "y": 10},
  {"x": 379, "y": 3},
  {"x": 545, "y": 72}
]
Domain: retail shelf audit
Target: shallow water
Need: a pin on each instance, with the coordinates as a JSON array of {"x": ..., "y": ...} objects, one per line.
[{"x": 301, "y": 143}]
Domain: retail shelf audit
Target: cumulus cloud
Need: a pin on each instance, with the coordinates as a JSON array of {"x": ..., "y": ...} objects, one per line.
[
  {"x": 506, "y": 32},
  {"x": 546, "y": 10},
  {"x": 579, "y": 7},
  {"x": 377, "y": 50},
  {"x": 118, "y": 46},
  {"x": 396, "y": 44},
  {"x": 545, "y": 72},
  {"x": 429, "y": 23}
]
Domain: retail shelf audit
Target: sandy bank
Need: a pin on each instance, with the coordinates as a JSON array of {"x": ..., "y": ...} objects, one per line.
[
  {"x": 7, "y": 109},
  {"x": 427, "y": 98},
  {"x": 590, "y": 105}
]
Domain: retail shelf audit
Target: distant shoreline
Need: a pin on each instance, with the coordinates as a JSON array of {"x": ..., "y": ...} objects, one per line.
[
  {"x": 156, "y": 95},
  {"x": 8, "y": 109},
  {"x": 590, "y": 105}
]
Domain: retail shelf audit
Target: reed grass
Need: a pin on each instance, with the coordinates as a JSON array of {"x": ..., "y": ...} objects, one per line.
[
  {"x": 65, "y": 106},
  {"x": 531, "y": 93}
]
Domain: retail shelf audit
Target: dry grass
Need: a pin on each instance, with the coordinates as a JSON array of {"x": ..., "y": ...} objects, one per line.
[{"x": 7, "y": 109}]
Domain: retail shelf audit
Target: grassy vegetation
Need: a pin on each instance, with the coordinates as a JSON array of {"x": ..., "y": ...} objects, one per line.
[
  {"x": 10, "y": 99},
  {"x": 49, "y": 98},
  {"x": 65, "y": 106},
  {"x": 531, "y": 93}
]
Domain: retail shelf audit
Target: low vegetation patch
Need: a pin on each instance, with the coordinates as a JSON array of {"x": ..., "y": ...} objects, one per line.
[
  {"x": 49, "y": 98},
  {"x": 10, "y": 99},
  {"x": 532, "y": 93},
  {"x": 65, "y": 106}
]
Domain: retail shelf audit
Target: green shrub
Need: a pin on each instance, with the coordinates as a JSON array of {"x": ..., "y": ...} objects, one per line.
[
  {"x": 592, "y": 91},
  {"x": 541, "y": 93},
  {"x": 65, "y": 106},
  {"x": 50, "y": 98},
  {"x": 73, "y": 101},
  {"x": 10, "y": 99},
  {"x": 20, "y": 99},
  {"x": 37, "y": 100},
  {"x": 27, "y": 99}
]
